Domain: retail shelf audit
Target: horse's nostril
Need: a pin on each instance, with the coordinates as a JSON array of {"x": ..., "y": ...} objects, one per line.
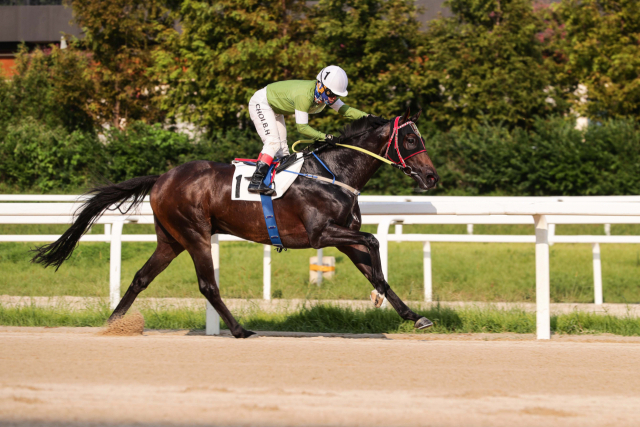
[{"x": 432, "y": 179}]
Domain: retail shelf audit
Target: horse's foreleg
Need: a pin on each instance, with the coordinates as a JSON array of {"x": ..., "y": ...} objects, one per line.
[
  {"x": 163, "y": 255},
  {"x": 201, "y": 255},
  {"x": 363, "y": 250},
  {"x": 363, "y": 260},
  {"x": 336, "y": 235}
]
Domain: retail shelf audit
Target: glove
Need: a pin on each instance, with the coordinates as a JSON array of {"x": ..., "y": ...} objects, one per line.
[{"x": 330, "y": 139}]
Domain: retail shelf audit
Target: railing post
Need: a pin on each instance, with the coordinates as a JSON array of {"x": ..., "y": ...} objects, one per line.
[
  {"x": 399, "y": 227},
  {"x": 213, "y": 319},
  {"x": 319, "y": 262},
  {"x": 266, "y": 272},
  {"x": 428, "y": 285},
  {"x": 543, "y": 319},
  {"x": 597, "y": 273},
  {"x": 383, "y": 232},
  {"x": 607, "y": 229},
  {"x": 469, "y": 228},
  {"x": 115, "y": 263}
]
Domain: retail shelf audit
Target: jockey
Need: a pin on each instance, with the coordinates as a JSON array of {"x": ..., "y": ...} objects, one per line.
[{"x": 268, "y": 106}]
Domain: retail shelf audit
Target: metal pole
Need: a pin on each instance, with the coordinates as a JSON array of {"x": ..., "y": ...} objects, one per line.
[
  {"x": 115, "y": 263},
  {"x": 597, "y": 273},
  {"x": 428, "y": 285},
  {"x": 266, "y": 272},
  {"x": 319, "y": 262},
  {"x": 213, "y": 319},
  {"x": 543, "y": 319}
]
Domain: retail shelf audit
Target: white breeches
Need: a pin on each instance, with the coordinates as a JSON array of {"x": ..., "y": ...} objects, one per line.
[{"x": 270, "y": 126}]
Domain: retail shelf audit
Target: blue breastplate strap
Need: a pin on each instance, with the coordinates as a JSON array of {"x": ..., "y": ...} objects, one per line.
[{"x": 270, "y": 216}]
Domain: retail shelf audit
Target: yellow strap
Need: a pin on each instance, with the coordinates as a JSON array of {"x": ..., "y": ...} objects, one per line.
[
  {"x": 316, "y": 267},
  {"x": 311, "y": 141},
  {"x": 382, "y": 159},
  {"x": 302, "y": 141}
]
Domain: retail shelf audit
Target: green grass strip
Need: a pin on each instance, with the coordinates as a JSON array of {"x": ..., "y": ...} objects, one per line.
[{"x": 332, "y": 319}]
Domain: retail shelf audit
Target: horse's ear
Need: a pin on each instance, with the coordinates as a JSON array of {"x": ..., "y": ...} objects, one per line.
[
  {"x": 406, "y": 115},
  {"x": 415, "y": 117}
]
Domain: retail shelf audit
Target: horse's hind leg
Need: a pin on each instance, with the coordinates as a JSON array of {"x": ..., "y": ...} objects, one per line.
[
  {"x": 201, "y": 255},
  {"x": 166, "y": 251},
  {"x": 360, "y": 256}
]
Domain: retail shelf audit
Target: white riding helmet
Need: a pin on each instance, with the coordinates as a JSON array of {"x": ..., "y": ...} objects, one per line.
[{"x": 335, "y": 79}]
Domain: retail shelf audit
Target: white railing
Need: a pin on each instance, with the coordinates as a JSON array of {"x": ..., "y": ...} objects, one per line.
[{"x": 384, "y": 211}]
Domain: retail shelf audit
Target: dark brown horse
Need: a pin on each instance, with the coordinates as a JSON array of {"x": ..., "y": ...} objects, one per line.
[{"x": 193, "y": 201}]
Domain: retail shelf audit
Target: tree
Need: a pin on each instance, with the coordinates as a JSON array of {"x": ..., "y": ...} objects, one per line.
[
  {"x": 51, "y": 85},
  {"x": 487, "y": 64},
  {"x": 229, "y": 49},
  {"x": 122, "y": 36},
  {"x": 377, "y": 43},
  {"x": 603, "y": 50}
]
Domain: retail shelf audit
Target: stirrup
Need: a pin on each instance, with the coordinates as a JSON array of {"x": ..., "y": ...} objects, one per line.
[{"x": 262, "y": 189}]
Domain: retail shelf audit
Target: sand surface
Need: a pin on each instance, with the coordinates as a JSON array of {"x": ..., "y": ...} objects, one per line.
[{"x": 76, "y": 377}]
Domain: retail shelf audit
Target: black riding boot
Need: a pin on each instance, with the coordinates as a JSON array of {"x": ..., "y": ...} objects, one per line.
[{"x": 257, "y": 184}]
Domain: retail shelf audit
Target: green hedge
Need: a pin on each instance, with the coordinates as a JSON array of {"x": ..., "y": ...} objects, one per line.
[{"x": 553, "y": 158}]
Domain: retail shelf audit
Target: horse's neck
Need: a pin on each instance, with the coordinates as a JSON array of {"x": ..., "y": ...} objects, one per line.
[{"x": 353, "y": 167}]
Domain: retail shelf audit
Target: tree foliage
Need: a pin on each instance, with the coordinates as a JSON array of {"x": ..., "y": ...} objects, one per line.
[
  {"x": 50, "y": 86},
  {"x": 376, "y": 43},
  {"x": 485, "y": 64},
  {"x": 601, "y": 39},
  {"x": 121, "y": 36},
  {"x": 227, "y": 50},
  {"x": 550, "y": 158}
]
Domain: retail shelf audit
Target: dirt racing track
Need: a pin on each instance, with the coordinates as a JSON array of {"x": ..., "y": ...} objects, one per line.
[{"x": 75, "y": 377}]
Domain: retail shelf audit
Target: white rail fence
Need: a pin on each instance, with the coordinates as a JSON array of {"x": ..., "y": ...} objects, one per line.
[{"x": 543, "y": 212}]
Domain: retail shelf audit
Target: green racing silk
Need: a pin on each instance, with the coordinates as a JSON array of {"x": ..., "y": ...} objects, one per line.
[{"x": 296, "y": 97}]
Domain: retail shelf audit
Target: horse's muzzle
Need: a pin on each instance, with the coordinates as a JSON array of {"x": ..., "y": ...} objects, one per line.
[
  {"x": 432, "y": 180},
  {"x": 427, "y": 180}
]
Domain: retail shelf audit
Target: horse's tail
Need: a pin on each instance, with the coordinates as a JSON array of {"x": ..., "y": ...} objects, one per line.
[{"x": 125, "y": 196}]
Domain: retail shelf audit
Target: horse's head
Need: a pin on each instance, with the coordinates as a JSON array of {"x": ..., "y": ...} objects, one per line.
[{"x": 407, "y": 150}]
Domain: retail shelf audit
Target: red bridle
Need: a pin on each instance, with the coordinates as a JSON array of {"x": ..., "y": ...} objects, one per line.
[{"x": 394, "y": 137}]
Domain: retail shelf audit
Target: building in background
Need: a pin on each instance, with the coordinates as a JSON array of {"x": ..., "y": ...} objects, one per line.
[{"x": 34, "y": 22}]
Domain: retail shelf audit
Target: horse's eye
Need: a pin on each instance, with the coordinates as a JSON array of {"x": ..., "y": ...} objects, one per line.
[{"x": 410, "y": 142}]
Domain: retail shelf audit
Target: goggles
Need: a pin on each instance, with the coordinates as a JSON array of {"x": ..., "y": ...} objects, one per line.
[{"x": 323, "y": 93}]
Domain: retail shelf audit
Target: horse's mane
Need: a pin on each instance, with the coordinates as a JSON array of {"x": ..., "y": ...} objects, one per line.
[{"x": 361, "y": 125}]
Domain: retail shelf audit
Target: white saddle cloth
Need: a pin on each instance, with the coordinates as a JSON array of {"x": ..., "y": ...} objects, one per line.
[{"x": 283, "y": 180}]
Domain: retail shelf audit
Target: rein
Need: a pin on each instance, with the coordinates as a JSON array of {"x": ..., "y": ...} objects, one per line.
[
  {"x": 353, "y": 147},
  {"x": 407, "y": 170}
]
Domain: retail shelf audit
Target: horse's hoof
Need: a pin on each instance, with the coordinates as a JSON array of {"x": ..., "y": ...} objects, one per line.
[
  {"x": 113, "y": 318},
  {"x": 245, "y": 334},
  {"x": 376, "y": 298},
  {"x": 423, "y": 323}
]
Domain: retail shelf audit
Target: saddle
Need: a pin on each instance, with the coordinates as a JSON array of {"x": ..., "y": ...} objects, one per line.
[{"x": 282, "y": 181}]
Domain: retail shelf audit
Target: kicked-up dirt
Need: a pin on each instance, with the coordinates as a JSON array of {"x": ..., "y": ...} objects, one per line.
[{"x": 77, "y": 377}]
